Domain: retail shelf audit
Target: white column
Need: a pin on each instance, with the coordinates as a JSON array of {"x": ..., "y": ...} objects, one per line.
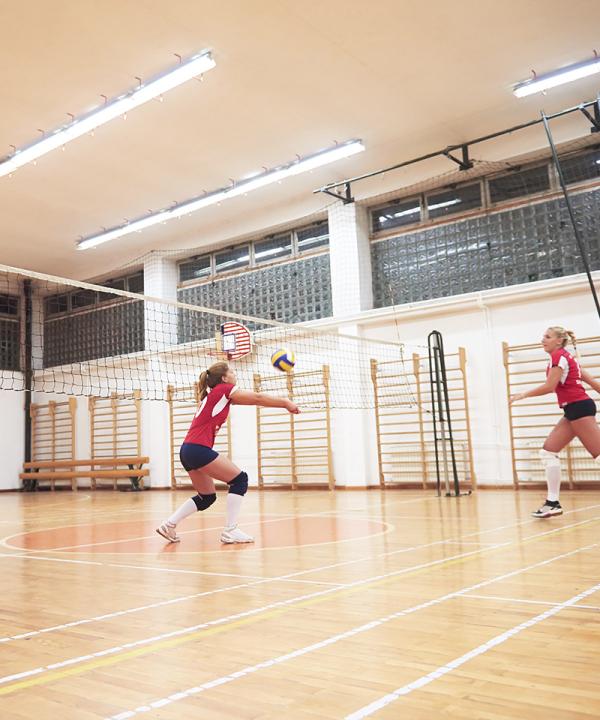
[
  {"x": 353, "y": 430},
  {"x": 350, "y": 258},
  {"x": 160, "y": 325},
  {"x": 160, "y": 280}
]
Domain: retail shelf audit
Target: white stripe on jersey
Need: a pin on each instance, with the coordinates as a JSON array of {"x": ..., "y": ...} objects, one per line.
[
  {"x": 220, "y": 405},
  {"x": 563, "y": 363}
]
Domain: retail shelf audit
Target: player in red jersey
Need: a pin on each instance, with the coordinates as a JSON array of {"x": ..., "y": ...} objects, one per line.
[
  {"x": 218, "y": 392},
  {"x": 564, "y": 376}
]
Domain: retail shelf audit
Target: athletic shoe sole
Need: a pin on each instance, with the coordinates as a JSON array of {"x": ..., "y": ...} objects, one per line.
[{"x": 166, "y": 537}]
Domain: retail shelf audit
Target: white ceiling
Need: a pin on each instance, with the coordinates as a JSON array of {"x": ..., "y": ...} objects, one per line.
[{"x": 291, "y": 78}]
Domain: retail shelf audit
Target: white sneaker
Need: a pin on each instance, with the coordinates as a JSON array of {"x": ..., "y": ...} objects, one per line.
[
  {"x": 548, "y": 509},
  {"x": 167, "y": 530},
  {"x": 235, "y": 535}
]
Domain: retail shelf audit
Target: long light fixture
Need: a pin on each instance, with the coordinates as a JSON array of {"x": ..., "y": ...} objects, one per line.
[
  {"x": 557, "y": 77},
  {"x": 301, "y": 165},
  {"x": 112, "y": 109}
]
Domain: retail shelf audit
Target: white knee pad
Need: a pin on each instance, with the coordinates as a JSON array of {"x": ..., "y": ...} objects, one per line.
[{"x": 549, "y": 459}]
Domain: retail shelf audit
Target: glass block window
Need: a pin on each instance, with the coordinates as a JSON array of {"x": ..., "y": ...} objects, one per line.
[
  {"x": 198, "y": 267},
  {"x": 117, "y": 284},
  {"x": 9, "y": 305},
  {"x": 273, "y": 248},
  {"x": 9, "y": 344},
  {"x": 135, "y": 283},
  {"x": 520, "y": 245},
  {"x": 289, "y": 292},
  {"x": 9, "y": 332},
  {"x": 518, "y": 184},
  {"x": 313, "y": 237},
  {"x": 104, "y": 331},
  {"x": 233, "y": 259},
  {"x": 83, "y": 298},
  {"x": 578, "y": 168},
  {"x": 401, "y": 212},
  {"x": 466, "y": 197},
  {"x": 57, "y": 304}
]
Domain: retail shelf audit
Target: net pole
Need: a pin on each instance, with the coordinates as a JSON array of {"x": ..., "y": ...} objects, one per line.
[
  {"x": 571, "y": 212},
  {"x": 28, "y": 374}
]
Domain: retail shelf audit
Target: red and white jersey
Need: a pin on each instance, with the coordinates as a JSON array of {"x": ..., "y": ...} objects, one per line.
[
  {"x": 211, "y": 414},
  {"x": 569, "y": 388}
]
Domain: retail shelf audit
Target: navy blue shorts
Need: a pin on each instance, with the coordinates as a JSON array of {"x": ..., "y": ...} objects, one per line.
[
  {"x": 194, "y": 457},
  {"x": 579, "y": 409}
]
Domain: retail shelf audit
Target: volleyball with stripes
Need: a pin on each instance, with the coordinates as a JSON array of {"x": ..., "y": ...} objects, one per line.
[{"x": 283, "y": 360}]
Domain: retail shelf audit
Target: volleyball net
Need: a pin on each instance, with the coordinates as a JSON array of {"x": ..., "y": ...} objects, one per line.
[{"x": 61, "y": 336}]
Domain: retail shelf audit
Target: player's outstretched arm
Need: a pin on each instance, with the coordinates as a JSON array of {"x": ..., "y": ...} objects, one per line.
[
  {"x": 589, "y": 380},
  {"x": 548, "y": 387},
  {"x": 246, "y": 397}
]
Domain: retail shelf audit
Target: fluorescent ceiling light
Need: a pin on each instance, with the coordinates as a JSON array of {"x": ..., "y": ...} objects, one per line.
[
  {"x": 557, "y": 77},
  {"x": 445, "y": 204},
  {"x": 310, "y": 162},
  {"x": 114, "y": 108}
]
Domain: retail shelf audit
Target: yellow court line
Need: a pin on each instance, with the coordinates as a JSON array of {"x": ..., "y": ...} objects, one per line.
[{"x": 174, "y": 642}]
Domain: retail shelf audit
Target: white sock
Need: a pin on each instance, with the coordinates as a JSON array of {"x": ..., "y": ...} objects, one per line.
[
  {"x": 234, "y": 503},
  {"x": 553, "y": 482},
  {"x": 188, "y": 508}
]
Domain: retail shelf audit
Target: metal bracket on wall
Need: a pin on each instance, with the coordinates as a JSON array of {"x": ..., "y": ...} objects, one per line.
[
  {"x": 346, "y": 198},
  {"x": 465, "y": 163},
  {"x": 595, "y": 118}
]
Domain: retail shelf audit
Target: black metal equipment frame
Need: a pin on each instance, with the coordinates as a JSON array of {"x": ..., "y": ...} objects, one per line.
[
  {"x": 27, "y": 313},
  {"x": 582, "y": 249},
  {"x": 440, "y": 412},
  {"x": 464, "y": 162}
]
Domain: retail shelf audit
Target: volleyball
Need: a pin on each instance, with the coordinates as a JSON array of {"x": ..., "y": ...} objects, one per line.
[{"x": 283, "y": 360}]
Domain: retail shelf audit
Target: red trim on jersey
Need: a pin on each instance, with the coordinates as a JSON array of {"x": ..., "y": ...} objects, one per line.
[
  {"x": 211, "y": 414},
  {"x": 569, "y": 388}
]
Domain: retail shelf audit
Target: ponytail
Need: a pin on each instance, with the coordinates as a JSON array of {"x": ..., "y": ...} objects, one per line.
[
  {"x": 565, "y": 336},
  {"x": 203, "y": 385},
  {"x": 211, "y": 378},
  {"x": 573, "y": 340}
]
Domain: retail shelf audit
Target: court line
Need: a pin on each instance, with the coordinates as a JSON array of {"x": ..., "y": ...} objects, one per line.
[
  {"x": 257, "y": 581},
  {"x": 457, "y": 662},
  {"x": 187, "y": 634},
  {"x": 229, "y": 621},
  {"x": 149, "y": 606},
  {"x": 180, "y": 695},
  {"x": 27, "y": 556},
  {"x": 528, "y": 602},
  {"x": 4, "y": 542}
]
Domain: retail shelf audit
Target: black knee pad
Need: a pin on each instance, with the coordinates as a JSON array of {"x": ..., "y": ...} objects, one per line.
[
  {"x": 239, "y": 484},
  {"x": 204, "y": 501}
]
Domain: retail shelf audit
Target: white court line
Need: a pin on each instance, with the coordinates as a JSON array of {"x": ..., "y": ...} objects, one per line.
[
  {"x": 27, "y": 556},
  {"x": 180, "y": 695},
  {"x": 457, "y": 662},
  {"x": 528, "y": 602},
  {"x": 230, "y": 618},
  {"x": 153, "y": 536},
  {"x": 257, "y": 579}
]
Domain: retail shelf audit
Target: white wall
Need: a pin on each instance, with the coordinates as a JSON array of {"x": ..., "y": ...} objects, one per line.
[
  {"x": 12, "y": 438},
  {"x": 480, "y": 322}
]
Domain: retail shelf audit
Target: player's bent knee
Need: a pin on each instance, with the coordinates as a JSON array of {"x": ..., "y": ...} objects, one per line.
[
  {"x": 204, "y": 501},
  {"x": 549, "y": 459},
  {"x": 239, "y": 484}
]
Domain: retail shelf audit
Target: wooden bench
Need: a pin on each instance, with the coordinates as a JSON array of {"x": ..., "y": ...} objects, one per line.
[{"x": 54, "y": 470}]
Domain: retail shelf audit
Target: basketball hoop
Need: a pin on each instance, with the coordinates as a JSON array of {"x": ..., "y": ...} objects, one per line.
[{"x": 234, "y": 342}]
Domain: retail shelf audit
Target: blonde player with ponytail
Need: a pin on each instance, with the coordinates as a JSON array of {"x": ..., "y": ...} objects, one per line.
[
  {"x": 217, "y": 392},
  {"x": 564, "y": 376}
]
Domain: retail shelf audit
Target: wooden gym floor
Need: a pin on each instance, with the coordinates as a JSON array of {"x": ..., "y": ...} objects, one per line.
[{"x": 349, "y": 605}]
